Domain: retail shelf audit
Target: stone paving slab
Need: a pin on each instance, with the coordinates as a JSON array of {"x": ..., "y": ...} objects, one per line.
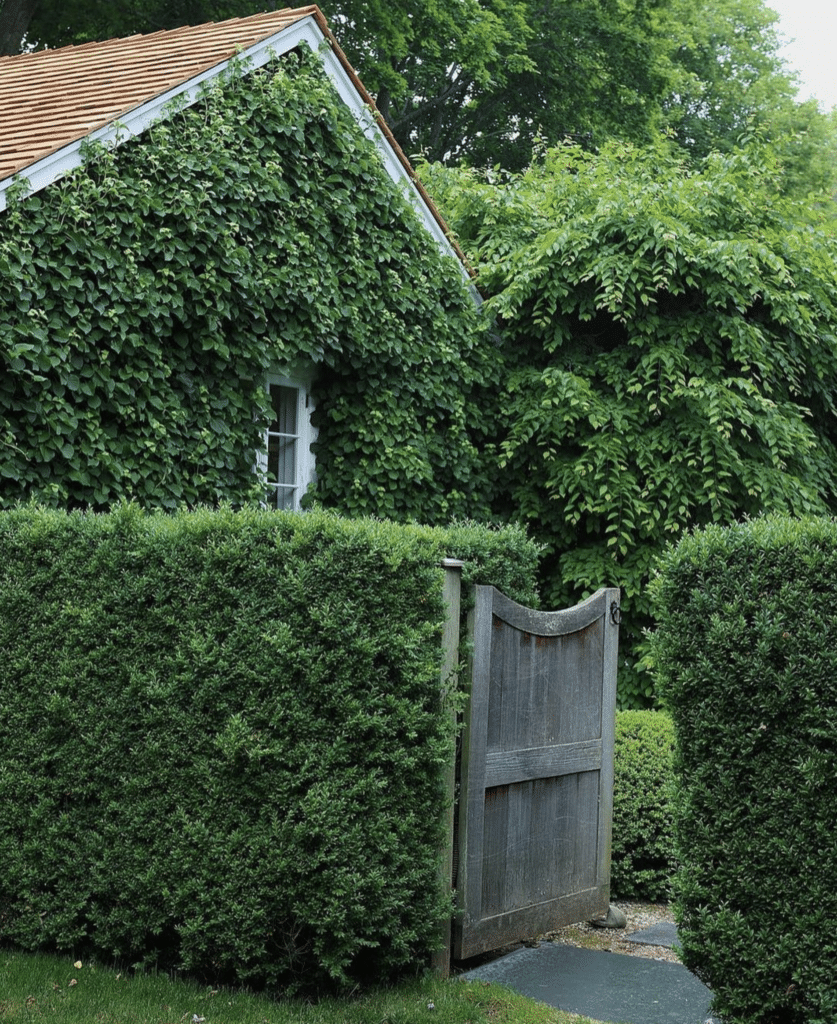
[
  {"x": 605, "y": 986},
  {"x": 662, "y": 934}
]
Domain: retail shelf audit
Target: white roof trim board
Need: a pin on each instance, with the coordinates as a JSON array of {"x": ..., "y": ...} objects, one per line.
[{"x": 43, "y": 172}]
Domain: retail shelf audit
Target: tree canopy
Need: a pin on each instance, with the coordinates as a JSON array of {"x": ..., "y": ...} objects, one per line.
[
  {"x": 581, "y": 69},
  {"x": 483, "y": 80},
  {"x": 670, "y": 337},
  {"x": 726, "y": 71}
]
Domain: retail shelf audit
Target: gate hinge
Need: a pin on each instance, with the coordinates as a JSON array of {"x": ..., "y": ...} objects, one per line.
[{"x": 615, "y": 613}]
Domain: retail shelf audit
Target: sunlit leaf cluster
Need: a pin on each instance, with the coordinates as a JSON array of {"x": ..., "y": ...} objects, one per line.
[{"x": 672, "y": 355}]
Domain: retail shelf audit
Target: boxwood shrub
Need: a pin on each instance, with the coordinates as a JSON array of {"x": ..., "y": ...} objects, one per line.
[
  {"x": 746, "y": 654},
  {"x": 221, "y": 738},
  {"x": 642, "y": 851}
]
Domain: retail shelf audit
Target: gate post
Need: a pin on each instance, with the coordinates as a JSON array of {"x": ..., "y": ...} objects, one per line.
[{"x": 450, "y": 648}]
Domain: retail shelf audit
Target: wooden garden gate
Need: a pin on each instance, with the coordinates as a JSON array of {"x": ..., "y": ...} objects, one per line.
[{"x": 537, "y": 770}]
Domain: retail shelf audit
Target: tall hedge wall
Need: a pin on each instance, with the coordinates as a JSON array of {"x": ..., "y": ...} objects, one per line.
[
  {"x": 642, "y": 849},
  {"x": 221, "y": 737},
  {"x": 143, "y": 296},
  {"x": 746, "y": 653}
]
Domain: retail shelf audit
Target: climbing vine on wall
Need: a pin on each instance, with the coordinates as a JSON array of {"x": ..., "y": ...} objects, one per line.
[{"x": 143, "y": 296}]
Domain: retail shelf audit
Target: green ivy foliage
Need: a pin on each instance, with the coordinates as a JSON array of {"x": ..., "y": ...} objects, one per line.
[
  {"x": 222, "y": 737},
  {"x": 671, "y": 347},
  {"x": 143, "y": 296},
  {"x": 746, "y": 655}
]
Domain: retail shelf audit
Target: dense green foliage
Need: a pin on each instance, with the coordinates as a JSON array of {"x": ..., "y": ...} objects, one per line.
[
  {"x": 432, "y": 66},
  {"x": 642, "y": 853},
  {"x": 727, "y": 79},
  {"x": 143, "y": 296},
  {"x": 504, "y": 557},
  {"x": 671, "y": 347},
  {"x": 746, "y": 651},
  {"x": 599, "y": 71},
  {"x": 728, "y": 72},
  {"x": 222, "y": 735}
]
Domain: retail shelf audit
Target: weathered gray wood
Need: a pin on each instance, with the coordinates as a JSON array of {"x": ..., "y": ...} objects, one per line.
[
  {"x": 537, "y": 769},
  {"x": 504, "y": 767},
  {"x": 527, "y": 922},
  {"x": 472, "y": 786},
  {"x": 450, "y": 660},
  {"x": 567, "y": 620},
  {"x": 611, "y": 660}
]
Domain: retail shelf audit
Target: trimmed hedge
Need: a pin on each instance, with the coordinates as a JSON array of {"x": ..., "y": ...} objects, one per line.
[
  {"x": 221, "y": 737},
  {"x": 642, "y": 851},
  {"x": 746, "y": 655}
]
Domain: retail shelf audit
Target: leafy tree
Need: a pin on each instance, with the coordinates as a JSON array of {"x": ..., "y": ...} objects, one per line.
[
  {"x": 726, "y": 70},
  {"x": 481, "y": 80},
  {"x": 505, "y": 74},
  {"x": 671, "y": 347},
  {"x": 727, "y": 79},
  {"x": 431, "y": 64},
  {"x": 804, "y": 139}
]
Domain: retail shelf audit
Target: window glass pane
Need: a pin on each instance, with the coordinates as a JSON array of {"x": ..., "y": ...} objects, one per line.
[
  {"x": 282, "y": 497},
  {"x": 284, "y": 409},
  {"x": 282, "y": 447},
  {"x": 281, "y": 459},
  {"x": 285, "y": 498}
]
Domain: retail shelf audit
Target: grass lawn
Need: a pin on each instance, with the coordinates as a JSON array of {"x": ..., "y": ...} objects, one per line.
[{"x": 37, "y": 988}]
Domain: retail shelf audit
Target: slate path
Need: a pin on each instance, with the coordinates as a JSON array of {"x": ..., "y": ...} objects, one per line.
[
  {"x": 602, "y": 985},
  {"x": 662, "y": 934}
]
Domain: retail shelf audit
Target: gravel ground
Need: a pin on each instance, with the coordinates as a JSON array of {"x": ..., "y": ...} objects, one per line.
[{"x": 639, "y": 915}]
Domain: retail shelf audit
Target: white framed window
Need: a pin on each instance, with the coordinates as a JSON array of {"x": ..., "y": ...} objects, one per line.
[{"x": 286, "y": 463}]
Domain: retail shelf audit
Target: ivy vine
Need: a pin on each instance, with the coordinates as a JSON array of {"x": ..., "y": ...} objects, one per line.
[{"x": 144, "y": 295}]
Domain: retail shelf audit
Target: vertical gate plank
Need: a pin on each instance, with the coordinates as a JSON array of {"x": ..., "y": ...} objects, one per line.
[
  {"x": 535, "y": 849},
  {"x": 610, "y": 659},
  {"x": 586, "y": 834}
]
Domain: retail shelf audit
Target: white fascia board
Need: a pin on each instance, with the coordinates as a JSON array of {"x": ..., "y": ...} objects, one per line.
[
  {"x": 396, "y": 170},
  {"x": 47, "y": 170}
]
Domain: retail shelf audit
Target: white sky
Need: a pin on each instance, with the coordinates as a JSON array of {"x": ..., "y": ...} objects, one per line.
[{"x": 813, "y": 26}]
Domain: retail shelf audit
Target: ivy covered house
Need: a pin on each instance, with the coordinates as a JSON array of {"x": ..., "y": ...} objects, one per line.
[{"x": 220, "y": 280}]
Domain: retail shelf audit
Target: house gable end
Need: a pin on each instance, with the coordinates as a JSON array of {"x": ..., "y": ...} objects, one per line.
[
  {"x": 25, "y": 135},
  {"x": 145, "y": 295}
]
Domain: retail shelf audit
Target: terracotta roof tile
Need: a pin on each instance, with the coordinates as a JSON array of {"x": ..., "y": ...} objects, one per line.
[{"x": 52, "y": 98}]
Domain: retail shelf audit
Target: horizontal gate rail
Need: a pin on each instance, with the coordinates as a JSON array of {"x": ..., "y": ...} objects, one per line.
[{"x": 505, "y": 767}]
